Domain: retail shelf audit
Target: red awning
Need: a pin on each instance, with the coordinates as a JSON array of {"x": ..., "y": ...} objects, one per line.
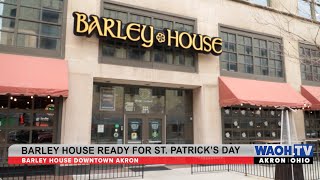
[
  {"x": 312, "y": 93},
  {"x": 234, "y": 91},
  {"x": 27, "y": 75}
]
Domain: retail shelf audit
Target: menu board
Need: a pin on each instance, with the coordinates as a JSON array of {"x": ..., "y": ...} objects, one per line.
[{"x": 107, "y": 99}]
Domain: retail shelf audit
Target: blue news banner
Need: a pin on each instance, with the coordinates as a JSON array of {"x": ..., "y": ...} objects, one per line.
[{"x": 284, "y": 154}]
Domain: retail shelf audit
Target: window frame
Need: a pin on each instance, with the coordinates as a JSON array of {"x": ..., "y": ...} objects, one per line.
[
  {"x": 14, "y": 49},
  {"x": 152, "y": 14},
  {"x": 312, "y": 6},
  {"x": 305, "y": 81},
  {"x": 253, "y": 35}
]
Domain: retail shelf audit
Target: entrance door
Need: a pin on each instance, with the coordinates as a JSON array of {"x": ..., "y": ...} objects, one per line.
[{"x": 144, "y": 130}]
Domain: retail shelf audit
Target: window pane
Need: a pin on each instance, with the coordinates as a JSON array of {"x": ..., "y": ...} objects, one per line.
[
  {"x": 304, "y": 9},
  {"x": 43, "y": 119},
  {"x": 28, "y": 27},
  {"x": 178, "y": 27},
  {"x": 7, "y": 24},
  {"x": 158, "y": 56},
  {"x": 42, "y": 136},
  {"x": 51, "y": 16},
  {"x": 49, "y": 43},
  {"x": 189, "y": 60},
  {"x": 50, "y": 30},
  {"x": 123, "y": 17},
  {"x": 44, "y": 103},
  {"x": 260, "y": 2},
  {"x": 16, "y": 119},
  {"x": 317, "y": 11},
  {"x": 27, "y": 41},
  {"x": 52, "y": 4},
  {"x": 33, "y": 3},
  {"x": 188, "y": 28},
  {"x": 6, "y": 38},
  {"x": 8, "y": 10},
  {"x": 18, "y": 136},
  {"x": 20, "y": 102},
  {"x": 9, "y": 1},
  {"x": 30, "y": 13}
]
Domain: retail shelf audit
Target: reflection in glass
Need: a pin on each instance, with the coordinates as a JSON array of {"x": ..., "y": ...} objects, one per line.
[
  {"x": 155, "y": 129},
  {"x": 106, "y": 129},
  {"x": 44, "y": 103},
  {"x": 8, "y": 10},
  {"x": 51, "y": 16},
  {"x": 43, "y": 119},
  {"x": 6, "y": 38},
  {"x": 7, "y": 24},
  {"x": 18, "y": 136},
  {"x": 49, "y": 43},
  {"x": 42, "y": 136},
  {"x": 304, "y": 9},
  {"x": 27, "y": 41},
  {"x": 134, "y": 131},
  {"x": 18, "y": 119},
  {"x": 20, "y": 102}
]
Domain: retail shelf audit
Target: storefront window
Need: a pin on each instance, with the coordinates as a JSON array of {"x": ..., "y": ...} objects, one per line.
[
  {"x": 179, "y": 119},
  {"x": 132, "y": 114},
  {"x": 312, "y": 124},
  {"x": 27, "y": 119},
  {"x": 144, "y": 100},
  {"x": 248, "y": 125},
  {"x": 251, "y": 53}
]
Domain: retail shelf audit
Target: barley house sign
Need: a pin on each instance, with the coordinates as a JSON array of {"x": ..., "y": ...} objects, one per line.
[{"x": 145, "y": 35}]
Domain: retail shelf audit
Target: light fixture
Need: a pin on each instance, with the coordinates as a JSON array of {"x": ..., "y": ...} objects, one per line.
[
  {"x": 241, "y": 104},
  {"x": 302, "y": 107},
  {"x": 11, "y": 97},
  {"x": 31, "y": 97},
  {"x": 310, "y": 112},
  {"x": 259, "y": 108},
  {"x": 28, "y": 102},
  {"x": 15, "y": 99},
  {"x": 2, "y": 107},
  {"x": 51, "y": 100},
  {"x": 48, "y": 97}
]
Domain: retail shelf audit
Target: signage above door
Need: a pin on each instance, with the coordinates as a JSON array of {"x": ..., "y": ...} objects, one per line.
[{"x": 145, "y": 35}]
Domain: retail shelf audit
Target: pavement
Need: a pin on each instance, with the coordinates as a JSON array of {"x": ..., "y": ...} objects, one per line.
[{"x": 184, "y": 173}]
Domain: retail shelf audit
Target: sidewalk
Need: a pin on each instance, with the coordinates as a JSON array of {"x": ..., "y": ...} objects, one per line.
[{"x": 185, "y": 174}]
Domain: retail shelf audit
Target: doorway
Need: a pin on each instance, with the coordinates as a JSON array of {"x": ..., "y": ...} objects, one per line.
[{"x": 144, "y": 129}]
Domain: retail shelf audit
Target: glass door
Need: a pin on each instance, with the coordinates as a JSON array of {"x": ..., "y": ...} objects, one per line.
[
  {"x": 144, "y": 129},
  {"x": 154, "y": 131},
  {"x": 134, "y": 130}
]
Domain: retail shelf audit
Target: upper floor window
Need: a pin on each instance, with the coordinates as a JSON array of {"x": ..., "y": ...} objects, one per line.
[
  {"x": 309, "y": 9},
  {"x": 34, "y": 24},
  {"x": 260, "y": 2},
  {"x": 310, "y": 63},
  {"x": 131, "y": 53},
  {"x": 251, "y": 53}
]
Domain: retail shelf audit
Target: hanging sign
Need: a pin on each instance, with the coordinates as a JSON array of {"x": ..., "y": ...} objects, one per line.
[{"x": 144, "y": 35}]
